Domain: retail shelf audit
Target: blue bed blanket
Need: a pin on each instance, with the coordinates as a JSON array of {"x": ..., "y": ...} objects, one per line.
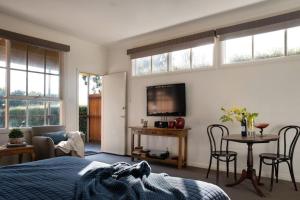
[
  {"x": 124, "y": 181},
  {"x": 56, "y": 178}
]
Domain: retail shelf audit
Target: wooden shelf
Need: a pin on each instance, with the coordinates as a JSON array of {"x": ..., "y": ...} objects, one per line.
[
  {"x": 181, "y": 134},
  {"x": 164, "y": 161}
]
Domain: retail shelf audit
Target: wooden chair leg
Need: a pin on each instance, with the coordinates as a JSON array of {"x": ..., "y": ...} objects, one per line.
[
  {"x": 272, "y": 175},
  {"x": 218, "y": 161},
  {"x": 235, "y": 178},
  {"x": 260, "y": 166},
  {"x": 210, "y": 159},
  {"x": 292, "y": 174},
  {"x": 277, "y": 171},
  {"x": 227, "y": 167}
]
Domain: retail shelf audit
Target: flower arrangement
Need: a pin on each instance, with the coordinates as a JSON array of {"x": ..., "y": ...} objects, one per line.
[{"x": 236, "y": 113}]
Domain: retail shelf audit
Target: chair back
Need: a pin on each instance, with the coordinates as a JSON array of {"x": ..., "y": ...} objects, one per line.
[
  {"x": 42, "y": 130},
  {"x": 283, "y": 132},
  {"x": 212, "y": 131}
]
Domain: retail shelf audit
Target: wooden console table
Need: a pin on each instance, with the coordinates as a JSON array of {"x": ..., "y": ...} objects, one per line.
[
  {"x": 28, "y": 149},
  {"x": 181, "y": 134}
]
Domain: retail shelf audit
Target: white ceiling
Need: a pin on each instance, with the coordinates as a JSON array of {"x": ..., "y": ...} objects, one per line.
[{"x": 105, "y": 21}]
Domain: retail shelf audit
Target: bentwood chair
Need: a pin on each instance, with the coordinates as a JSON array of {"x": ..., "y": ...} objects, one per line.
[
  {"x": 220, "y": 151},
  {"x": 274, "y": 159}
]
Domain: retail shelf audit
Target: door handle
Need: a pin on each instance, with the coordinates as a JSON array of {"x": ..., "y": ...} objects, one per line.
[{"x": 122, "y": 116}]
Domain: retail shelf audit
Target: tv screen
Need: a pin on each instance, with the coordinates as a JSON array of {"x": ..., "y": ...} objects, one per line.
[{"x": 166, "y": 100}]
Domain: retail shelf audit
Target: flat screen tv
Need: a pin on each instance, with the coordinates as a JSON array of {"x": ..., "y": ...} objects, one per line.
[{"x": 166, "y": 100}]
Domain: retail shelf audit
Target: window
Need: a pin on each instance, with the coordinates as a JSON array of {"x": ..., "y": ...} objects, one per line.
[
  {"x": 186, "y": 59},
  {"x": 202, "y": 56},
  {"x": 268, "y": 45},
  {"x": 33, "y": 75},
  {"x": 180, "y": 60},
  {"x": 142, "y": 65},
  {"x": 160, "y": 63},
  {"x": 293, "y": 41},
  {"x": 238, "y": 49},
  {"x": 261, "y": 46}
]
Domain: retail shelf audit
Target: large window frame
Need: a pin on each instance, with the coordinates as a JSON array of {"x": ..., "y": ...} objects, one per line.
[
  {"x": 187, "y": 68},
  {"x": 218, "y": 60},
  {"x": 47, "y": 101}
]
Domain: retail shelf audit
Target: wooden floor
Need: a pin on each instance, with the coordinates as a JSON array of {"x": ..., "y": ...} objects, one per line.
[{"x": 281, "y": 191}]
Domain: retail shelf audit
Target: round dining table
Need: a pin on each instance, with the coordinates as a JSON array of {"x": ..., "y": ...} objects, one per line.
[{"x": 250, "y": 172}]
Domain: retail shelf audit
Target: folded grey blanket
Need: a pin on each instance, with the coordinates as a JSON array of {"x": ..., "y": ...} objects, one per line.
[{"x": 122, "y": 181}]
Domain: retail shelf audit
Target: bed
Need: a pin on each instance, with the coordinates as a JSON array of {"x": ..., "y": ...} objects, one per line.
[{"x": 56, "y": 178}]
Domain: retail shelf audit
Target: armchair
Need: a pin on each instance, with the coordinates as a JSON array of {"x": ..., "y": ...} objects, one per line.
[{"x": 44, "y": 146}]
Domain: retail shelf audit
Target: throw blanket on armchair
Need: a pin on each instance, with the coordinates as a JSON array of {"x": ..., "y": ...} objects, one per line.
[
  {"x": 122, "y": 181},
  {"x": 74, "y": 143}
]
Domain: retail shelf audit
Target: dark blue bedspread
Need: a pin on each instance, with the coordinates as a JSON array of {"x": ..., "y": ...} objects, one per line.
[{"x": 56, "y": 178}]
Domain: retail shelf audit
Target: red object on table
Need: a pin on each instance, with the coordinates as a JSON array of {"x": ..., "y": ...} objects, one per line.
[
  {"x": 171, "y": 124},
  {"x": 179, "y": 123}
]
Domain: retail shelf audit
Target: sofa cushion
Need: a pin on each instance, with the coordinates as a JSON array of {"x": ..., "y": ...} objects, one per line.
[{"x": 57, "y": 136}]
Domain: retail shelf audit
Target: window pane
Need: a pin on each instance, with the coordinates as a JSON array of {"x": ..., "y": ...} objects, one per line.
[
  {"x": 17, "y": 113},
  {"x": 18, "y": 54},
  {"x": 53, "y": 113},
  {"x": 36, "y": 113},
  {"x": 180, "y": 60},
  {"x": 2, "y": 81},
  {"x": 52, "y": 86},
  {"x": 160, "y": 63},
  {"x": 2, "y": 113},
  {"x": 95, "y": 84},
  {"x": 293, "y": 41},
  {"x": 36, "y": 60},
  {"x": 35, "y": 84},
  {"x": 17, "y": 83},
  {"x": 202, "y": 56},
  {"x": 268, "y": 45},
  {"x": 52, "y": 62},
  {"x": 2, "y": 53},
  {"x": 238, "y": 49},
  {"x": 143, "y": 66}
]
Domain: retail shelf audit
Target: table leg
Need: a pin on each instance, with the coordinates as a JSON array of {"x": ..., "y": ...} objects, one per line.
[
  {"x": 139, "y": 140},
  {"x": 185, "y": 150},
  {"x": 179, "y": 152},
  {"x": 132, "y": 145},
  {"x": 32, "y": 156},
  {"x": 249, "y": 173},
  {"x": 20, "y": 158}
]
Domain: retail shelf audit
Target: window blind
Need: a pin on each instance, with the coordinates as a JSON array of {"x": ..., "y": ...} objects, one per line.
[
  {"x": 260, "y": 26},
  {"x": 33, "y": 41},
  {"x": 185, "y": 42}
]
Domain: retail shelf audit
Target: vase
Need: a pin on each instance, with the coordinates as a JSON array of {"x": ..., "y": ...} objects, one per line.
[
  {"x": 250, "y": 125},
  {"x": 179, "y": 123}
]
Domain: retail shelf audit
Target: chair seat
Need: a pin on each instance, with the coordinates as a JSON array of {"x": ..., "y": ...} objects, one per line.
[
  {"x": 274, "y": 156},
  {"x": 224, "y": 153}
]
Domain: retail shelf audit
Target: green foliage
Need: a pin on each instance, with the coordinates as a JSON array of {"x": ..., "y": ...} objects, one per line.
[
  {"x": 36, "y": 116},
  {"x": 274, "y": 53},
  {"x": 236, "y": 113},
  {"x": 98, "y": 84},
  {"x": 15, "y": 133},
  {"x": 294, "y": 51},
  {"x": 83, "y": 119},
  {"x": 239, "y": 58}
]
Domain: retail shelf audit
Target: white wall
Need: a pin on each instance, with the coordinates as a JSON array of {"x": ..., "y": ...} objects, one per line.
[
  {"x": 270, "y": 88},
  {"x": 84, "y": 56}
]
